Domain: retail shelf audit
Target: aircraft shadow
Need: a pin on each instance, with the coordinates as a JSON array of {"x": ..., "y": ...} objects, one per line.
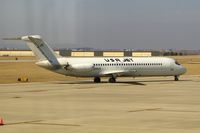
[
  {"x": 140, "y": 82},
  {"x": 103, "y": 82},
  {"x": 163, "y": 81},
  {"x": 131, "y": 83}
]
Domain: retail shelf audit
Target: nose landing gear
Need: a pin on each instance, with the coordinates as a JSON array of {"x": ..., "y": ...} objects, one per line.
[{"x": 176, "y": 78}]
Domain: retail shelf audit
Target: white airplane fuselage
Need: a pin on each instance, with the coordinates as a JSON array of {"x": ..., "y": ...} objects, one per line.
[{"x": 106, "y": 66}]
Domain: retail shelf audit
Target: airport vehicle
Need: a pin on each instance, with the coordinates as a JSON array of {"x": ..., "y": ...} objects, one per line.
[{"x": 98, "y": 67}]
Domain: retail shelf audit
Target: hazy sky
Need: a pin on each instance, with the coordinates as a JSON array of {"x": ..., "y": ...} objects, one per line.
[{"x": 118, "y": 24}]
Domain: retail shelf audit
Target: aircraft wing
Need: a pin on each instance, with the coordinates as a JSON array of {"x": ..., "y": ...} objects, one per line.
[{"x": 117, "y": 73}]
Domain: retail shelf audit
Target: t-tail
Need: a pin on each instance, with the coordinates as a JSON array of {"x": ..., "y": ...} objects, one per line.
[{"x": 40, "y": 48}]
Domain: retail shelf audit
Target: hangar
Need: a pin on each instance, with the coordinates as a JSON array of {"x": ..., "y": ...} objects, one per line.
[
  {"x": 107, "y": 53},
  {"x": 69, "y": 53},
  {"x": 18, "y": 53}
]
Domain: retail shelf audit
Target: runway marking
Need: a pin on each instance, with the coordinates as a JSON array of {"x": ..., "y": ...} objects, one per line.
[
  {"x": 164, "y": 110},
  {"x": 23, "y": 122},
  {"x": 39, "y": 122},
  {"x": 54, "y": 124},
  {"x": 36, "y": 91},
  {"x": 184, "y": 111},
  {"x": 141, "y": 110}
]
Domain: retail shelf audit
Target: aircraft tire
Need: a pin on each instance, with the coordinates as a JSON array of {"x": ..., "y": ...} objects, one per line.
[
  {"x": 176, "y": 78},
  {"x": 97, "y": 80},
  {"x": 112, "y": 80}
]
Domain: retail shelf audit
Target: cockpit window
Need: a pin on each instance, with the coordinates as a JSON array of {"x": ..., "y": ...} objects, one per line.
[{"x": 176, "y": 62}]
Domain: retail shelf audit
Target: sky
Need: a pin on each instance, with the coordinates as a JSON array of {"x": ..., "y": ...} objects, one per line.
[{"x": 103, "y": 24}]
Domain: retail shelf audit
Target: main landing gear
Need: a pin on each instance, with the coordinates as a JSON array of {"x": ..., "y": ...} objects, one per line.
[
  {"x": 112, "y": 80},
  {"x": 97, "y": 80},
  {"x": 176, "y": 78}
]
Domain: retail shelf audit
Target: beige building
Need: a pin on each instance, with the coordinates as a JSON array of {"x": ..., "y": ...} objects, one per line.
[
  {"x": 115, "y": 54},
  {"x": 141, "y": 54},
  {"x": 18, "y": 53},
  {"x": 82, "y": 54}
]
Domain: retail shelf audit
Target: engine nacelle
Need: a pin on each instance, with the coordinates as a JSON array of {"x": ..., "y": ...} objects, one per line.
[{"x": 80, "y": 67}]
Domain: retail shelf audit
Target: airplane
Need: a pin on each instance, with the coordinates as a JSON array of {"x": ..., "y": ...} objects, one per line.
[{"x": 98, "y": 67}]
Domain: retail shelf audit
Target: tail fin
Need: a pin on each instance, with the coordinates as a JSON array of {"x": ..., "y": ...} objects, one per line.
[{"x": 40, "y": 48}]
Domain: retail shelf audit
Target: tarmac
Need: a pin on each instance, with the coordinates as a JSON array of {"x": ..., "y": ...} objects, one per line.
[{"x": 141, "y": 105}]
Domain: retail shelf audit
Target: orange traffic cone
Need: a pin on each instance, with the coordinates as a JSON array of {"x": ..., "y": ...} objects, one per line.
[{"x": 1, "y": 122}]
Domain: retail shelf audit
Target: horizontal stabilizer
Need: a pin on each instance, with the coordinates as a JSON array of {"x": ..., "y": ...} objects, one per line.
[{"x": 17, "y": 38}]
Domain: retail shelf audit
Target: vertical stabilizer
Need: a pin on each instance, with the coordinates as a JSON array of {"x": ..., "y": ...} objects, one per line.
[{"x": 40, "y": 48}]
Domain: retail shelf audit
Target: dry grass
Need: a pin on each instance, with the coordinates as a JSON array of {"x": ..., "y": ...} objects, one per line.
[
  {"x": 11, "y": 71},
  {"x": 19, "y": 58}
]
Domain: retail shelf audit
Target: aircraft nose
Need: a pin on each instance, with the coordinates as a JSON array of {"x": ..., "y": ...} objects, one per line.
[{"x": 183, "y": 70}]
